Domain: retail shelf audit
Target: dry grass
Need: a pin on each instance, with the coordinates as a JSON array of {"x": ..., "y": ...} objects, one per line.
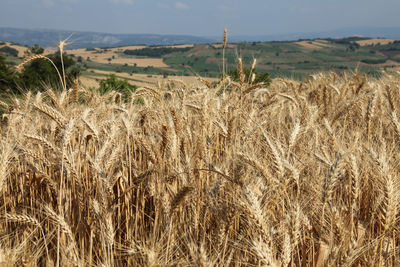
[
  {"x": 375, "y": 42},
  {"x": 102, "y": 56},
  {"x": 23, "y": 50},
  {"x": 221, "y": 45},
  {"x": 176, "y": 46},
  {"x": 294, "y": 174},
  {"x": 317, "y": 44},
  {"x": 140, "y": 79}
]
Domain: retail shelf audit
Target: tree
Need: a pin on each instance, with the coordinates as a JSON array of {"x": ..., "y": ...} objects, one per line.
[
  {"x": 36, "y": 50},
  {"x": 9, "y": 51},
  {"x": 112, "y": 83},
  {"x": 42, "y": 71},
  {"x": 258, "y": 78},
  {"x": 7, "y": 78},
  {"x": 36, "y": 73}
]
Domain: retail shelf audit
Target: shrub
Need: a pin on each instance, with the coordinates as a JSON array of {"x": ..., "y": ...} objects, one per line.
[
  {"x": 119, "y": 85},
  {"x": 7, "y": 77},
  {"x": 374, "y": 61},
  {"x": 259, "y": 77},
  {"x": 9, "y": 51},
  {"x": 155, "y": 52}
]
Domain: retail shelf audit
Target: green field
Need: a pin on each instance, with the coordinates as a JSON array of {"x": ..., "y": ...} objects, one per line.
[
  {"x": 292, "y": 59},
  {"x": 289, "y": 59}
]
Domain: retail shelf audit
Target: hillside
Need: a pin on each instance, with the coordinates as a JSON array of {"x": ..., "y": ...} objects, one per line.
[
  {"x": 373, "y": 32},
  {"x": 296, "y": 59},
  {"x": 49, "y": 38},
  {"x": 293, "y": 59}
]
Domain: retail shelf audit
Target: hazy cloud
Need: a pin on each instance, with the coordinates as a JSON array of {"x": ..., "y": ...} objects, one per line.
[
  {"x": 162, "y": 5},
  {"x": 180, "y": 5},
  {"x": 48, "y": 3}
]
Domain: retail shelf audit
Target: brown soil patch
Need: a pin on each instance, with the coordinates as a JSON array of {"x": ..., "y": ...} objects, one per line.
[
  {"x": 375, "y": 42},
  {"x": 100, "y": 55},
  {"x": 212, "y": 60},
  {"x": 200, "y": 47},
  {"x": 176, "y": 46},
  {"x": 323, "y": 43},
  {"x": 390, "y": 63},
  {"x": 220, "y": 45},
  {"x": 123, "y": 48},
  {"x": 22, "y": 50},
  {"x": 140, "y": 62},
  {"x": 139, "y": 79},
  {"x": 103, "y": 56},
  {"x": 89, "y": 81},
  {"x": 317, "y": 44}
]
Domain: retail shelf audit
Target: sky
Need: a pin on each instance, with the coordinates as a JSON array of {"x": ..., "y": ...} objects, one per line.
[{"x": 199, "y": 17}]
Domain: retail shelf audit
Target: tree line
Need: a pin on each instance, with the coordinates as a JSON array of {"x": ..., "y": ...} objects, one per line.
[
  {"x": 37, "y": 73},
  {"x": 156, "y": 51}
]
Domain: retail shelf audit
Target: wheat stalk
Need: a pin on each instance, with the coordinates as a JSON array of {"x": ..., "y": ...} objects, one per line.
[
  {"x": 285, "y": 176},
  {"x": 20, "y": 66},
  {"x": 240, "y": 71},
  {"x": 76, "y": 91},
  {"x": 224, "y": 41},
  {"x": 28, "y": 60}
]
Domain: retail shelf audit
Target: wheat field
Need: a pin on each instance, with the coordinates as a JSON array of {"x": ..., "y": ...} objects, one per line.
[{"x": 229, "y": 174}]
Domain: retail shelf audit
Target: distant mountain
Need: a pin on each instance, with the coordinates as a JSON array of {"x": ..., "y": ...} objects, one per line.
[
  {"x": 50, "y": 38},
  {"x": 372, "y": 32}
]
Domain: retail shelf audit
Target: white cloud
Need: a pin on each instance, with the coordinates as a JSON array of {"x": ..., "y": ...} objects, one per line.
[
  {"x": 128, "y": 2},
  {"x": 180, "y": 5}
]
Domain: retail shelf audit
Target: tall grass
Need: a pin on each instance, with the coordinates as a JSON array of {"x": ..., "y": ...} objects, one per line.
[{"x": 300, "y": 173}]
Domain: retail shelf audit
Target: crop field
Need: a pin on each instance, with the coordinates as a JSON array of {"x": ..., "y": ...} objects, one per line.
[
  {"x": 93, "y": 77},
  {"x": 375, "y": 42},
  {"x": 316, "y": 44},
  {"x": 213, "y": 170},
  {"x": 300, "y": 173},
  {"x": 114, "y": 56},
  {"x": 294, "y": 60}
]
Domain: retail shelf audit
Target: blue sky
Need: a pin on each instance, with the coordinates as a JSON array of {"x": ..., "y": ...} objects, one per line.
[{"x": 199, "y": 17}]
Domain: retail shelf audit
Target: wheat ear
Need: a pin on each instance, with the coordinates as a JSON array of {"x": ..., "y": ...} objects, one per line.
[
  {"x": 34, "y": 57},
  {"x": 76, "y": 91}
]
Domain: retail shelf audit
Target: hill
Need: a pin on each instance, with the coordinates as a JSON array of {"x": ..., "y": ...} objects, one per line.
[
  {"x": 372, "y": 32},
  {"x": 49, "y": 38},
  {"x": 293, "y": 59}
]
